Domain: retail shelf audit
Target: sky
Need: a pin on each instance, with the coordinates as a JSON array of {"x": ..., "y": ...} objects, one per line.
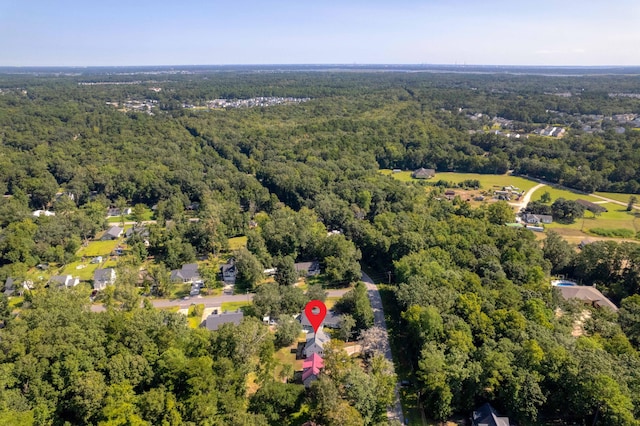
[{"x": 214, "y": 32}]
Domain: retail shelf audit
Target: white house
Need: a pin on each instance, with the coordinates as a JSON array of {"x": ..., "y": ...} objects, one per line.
[
  {"x": 103, "y": 277},
  {"x": 64, "y": 280},
  {"x": 228, "y": 271}
]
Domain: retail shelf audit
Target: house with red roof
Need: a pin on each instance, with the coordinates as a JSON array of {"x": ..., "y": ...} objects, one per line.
[{"x": 311, "y": 369}]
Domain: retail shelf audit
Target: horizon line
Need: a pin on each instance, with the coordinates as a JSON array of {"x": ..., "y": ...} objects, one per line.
[{"x": 352, "y": 64}]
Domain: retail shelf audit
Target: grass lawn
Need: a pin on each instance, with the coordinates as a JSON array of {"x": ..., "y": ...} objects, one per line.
[
  {"x": 302, "y": 284},
  {"x": 486, "y": 181},
  {"x": 82, "y": 270},
  {"x": 98, "y": 248},
  {"x": 561, "y": 193},
  {"x": 234, "y": 306},
  {"x": 110, "y": 264},
  {"x": 623, "y": 198},
  {"x": 194, "y": 321},
  {"x": 615, "y": 218},
  {"x": 180, "y": 290},
  {"x": 331, "y": 301},
  {"x": 15, "y": 302},
  {"x": 236, "y": 243},
  {"x": 286, "y": 356}
]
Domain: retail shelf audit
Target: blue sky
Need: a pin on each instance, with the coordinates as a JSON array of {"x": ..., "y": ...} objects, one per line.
[{"x": 185, "y": 32}]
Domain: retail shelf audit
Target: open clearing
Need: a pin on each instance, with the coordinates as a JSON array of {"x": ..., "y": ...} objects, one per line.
[
  {"x": 623, "y": 198},
  {"x": 562, "y": 193},
  {"x": 487, "y": 182},
  {"x": 98, "y": 248},
  {"x": 236, "y": 243},
  {"x": 615, "y": 218},
  {"x": 82, "y": 270}
]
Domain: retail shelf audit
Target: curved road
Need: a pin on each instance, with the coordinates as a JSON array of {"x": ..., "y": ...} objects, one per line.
[
  {"x": 527, "y": 197},
  {"x": 394, "y": 412},
  {"x": 555, "y": 185}
]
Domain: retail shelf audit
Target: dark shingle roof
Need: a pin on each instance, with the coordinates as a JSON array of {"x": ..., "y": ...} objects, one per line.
[
  {"x": 215, "y": 320},
  {"x": 487, "y": 416}
]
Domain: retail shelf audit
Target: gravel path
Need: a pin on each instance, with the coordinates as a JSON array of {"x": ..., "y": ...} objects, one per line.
[{"x": 394, "y": 412}]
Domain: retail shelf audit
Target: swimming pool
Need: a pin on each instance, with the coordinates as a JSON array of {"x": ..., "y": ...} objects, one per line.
[{"x": 563, "y": 283}]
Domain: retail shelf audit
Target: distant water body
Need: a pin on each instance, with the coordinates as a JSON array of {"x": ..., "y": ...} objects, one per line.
[{"x": 396, "y": 68}]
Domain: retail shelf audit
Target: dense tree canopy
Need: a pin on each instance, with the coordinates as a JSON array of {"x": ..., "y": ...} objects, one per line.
[{"x": 472, "y": 309}]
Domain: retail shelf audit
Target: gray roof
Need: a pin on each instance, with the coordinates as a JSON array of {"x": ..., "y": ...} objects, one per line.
[
  {"x": 331, "y": 320},
  {"x": 102, "y": 274},
  {"x": 230, "y": 266},
  {"x": 311, "y": 266},
  {"x": 423, "y": 173},
  {"x": 532, "y": 217},
  {"x": 587, "y": 294},
  {"x": 138, "y": 230},
  {"x": 320, "y": 338},
  {"x": 114, "y": 231},
  {"x": 188, "y": 272},
  {"x": 487, "y": 416},
  {"x": 215, "y": 320},
  {"x": 60, "y": 279}
]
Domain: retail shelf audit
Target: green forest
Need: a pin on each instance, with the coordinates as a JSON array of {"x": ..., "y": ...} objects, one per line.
[{"x": 471, "y": 312}]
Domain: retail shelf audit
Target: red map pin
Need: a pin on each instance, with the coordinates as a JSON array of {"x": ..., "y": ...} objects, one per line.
[{"x": 315, "y": 312}]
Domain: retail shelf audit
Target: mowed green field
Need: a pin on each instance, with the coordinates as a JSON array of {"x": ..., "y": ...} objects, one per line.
[
  {"x": 615, "y": 218},
  {"x": 623, "y": 198},
  {"x": 98, "y": 248},
  {"x": 563, "y": 193},
  {"x": 82, "y": 270},
  {"x": 236, "y": 243},
  {"x": 486, "y": 181}
]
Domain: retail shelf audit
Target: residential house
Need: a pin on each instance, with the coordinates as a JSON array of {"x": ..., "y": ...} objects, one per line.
[
  {"x": 315, "y": 343},
  {"x": 488, "y": 416},
  {"x": 308, "y": 269},
  {"x": 587, "y": 294},
  {"x": 113, "y": 233},
  {"x": 216, "y": 319},
  {"x": 311, "y": 369},
  {"x": 187, "y": 274},
  {"x": 229, "y": 271},
  {"x": 331, "y": 320},
  {"x": 103, "y": 277},
  {"x": 64, "y": 280},
  {"x": 9, "y": 287},
  {"x": 114, "y": 212},
  {"x": 423, "y": 173},
  {"x": 140, "y": 231},
  {"x": 536, "y": 219}
]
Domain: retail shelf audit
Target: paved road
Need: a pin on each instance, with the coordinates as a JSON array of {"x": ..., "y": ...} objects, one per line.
[
  {"x": 394, "y": 412},
  {"x": 209, "y": 301}
]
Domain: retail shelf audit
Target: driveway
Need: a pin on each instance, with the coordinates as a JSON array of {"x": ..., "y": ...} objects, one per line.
[
  {"x": 394, "y": 412},
  {"x": 527, "y": 197}
]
